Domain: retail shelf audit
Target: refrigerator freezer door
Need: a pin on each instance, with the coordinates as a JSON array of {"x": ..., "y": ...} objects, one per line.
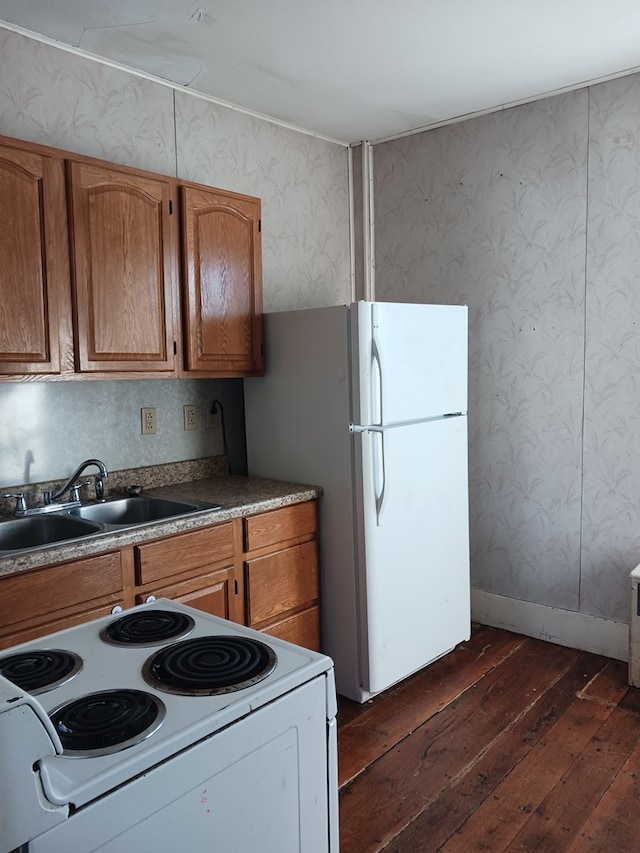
[
  {"x": 415, "y": 547},
  {"x": 410, "y": 361}
]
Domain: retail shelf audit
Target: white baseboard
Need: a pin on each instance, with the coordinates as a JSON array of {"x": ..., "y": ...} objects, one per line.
[{"x": 565, "y": 627}]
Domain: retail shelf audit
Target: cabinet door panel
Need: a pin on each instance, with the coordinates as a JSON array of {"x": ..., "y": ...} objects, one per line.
[
  {"x": 34, "y": 261},
  {"x": 223, "y": 277},
  {"x": 281, "y": 582},
  {"x": 124, "y": 268},
  {"x": 213, "y": 592}
]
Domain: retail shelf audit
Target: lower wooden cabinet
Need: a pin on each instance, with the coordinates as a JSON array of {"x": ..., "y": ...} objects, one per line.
[
  {"x": 52, "y": 598},
  {"x": 302, "y": 628},
  {"x": 260, "y": 571},
  {"x": 197, "y": 568},
  {"x": 281, "y": 574}
]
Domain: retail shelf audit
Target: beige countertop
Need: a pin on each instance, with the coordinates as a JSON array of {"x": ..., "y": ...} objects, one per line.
[{"x": 238, "y": 496}]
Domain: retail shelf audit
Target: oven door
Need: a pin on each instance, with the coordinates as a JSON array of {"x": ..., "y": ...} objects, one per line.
[{"x": 260, "y": 784}]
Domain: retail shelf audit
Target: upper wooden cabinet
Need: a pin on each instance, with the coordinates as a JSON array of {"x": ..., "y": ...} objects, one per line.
[
  {"x": 105, "y": 249},
  {"x": 34, "y": 263},
  {"x": 222, "y": 293},
  {"x": 124, "y": 266}
]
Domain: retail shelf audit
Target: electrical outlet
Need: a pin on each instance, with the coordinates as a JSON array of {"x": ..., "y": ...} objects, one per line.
[
  {"x": 191, "y": 417},
  {"x": 213, "y": 416},
  {"x": 148, "y": 417}
]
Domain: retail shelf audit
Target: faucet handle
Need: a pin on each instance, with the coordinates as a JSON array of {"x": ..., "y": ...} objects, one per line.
[
  {"x": 75, "y": 489},
  {"x": 21, "y": 504},
  {"x": 98, "y": 483}
]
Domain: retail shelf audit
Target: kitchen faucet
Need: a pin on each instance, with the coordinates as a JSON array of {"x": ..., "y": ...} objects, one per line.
[{"x": 73, "y": 486}]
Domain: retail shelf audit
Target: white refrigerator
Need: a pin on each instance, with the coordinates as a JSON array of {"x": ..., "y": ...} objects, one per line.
[{"x": 369, "y": 401}]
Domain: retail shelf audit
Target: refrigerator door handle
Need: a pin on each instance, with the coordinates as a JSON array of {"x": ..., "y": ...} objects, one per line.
[
  {"x": 377, "y": 463},
  {"x": 375, "y": 390},
  {"x": 379, "y": 473}
]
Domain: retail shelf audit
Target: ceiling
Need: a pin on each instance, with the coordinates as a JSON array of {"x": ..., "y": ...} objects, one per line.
[{"x": 351, "y": 69}]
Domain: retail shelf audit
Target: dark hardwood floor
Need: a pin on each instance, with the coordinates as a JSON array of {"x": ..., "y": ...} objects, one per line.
[{"x": 506, "y": 744}]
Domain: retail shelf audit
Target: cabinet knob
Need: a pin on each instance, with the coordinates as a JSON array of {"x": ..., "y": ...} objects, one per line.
[
  {"x": 116, "y": 609},
  {"x": 149, "y": 599}
]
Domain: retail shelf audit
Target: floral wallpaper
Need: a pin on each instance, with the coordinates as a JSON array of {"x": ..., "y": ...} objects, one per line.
[
  {"x": 531, "y": 216},
  {"x": 57, "y": 98},
  {"x": 611, "y": 473}
]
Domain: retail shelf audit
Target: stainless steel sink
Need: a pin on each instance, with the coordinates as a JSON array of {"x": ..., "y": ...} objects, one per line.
[
  {"x": 50, "y": 526},
  {"x": 18, "y": 534},
  {"x": 143, "y": 509}
]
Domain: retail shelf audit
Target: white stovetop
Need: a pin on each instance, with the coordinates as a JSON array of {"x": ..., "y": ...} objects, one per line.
[{"x": 188, "y": 718}]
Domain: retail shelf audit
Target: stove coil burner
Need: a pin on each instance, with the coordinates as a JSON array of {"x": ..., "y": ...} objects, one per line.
[
  {"x": 106, "y": 722},
  {"x": 147, "y": 628},
  {"x": 42, "y": 670},
  {"x": 208, "y": 666}
]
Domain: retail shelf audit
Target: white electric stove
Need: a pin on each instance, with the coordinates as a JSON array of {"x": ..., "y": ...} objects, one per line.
[{"x": 165, "y": 728}]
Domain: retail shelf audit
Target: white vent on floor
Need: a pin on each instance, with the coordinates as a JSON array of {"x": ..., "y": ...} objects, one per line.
[{"x": 634, "y": 629}]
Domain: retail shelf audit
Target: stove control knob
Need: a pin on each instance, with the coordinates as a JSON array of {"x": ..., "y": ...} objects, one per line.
[
  {"x": 116, "y": 609},
  {"x": 149, "y": 599}
]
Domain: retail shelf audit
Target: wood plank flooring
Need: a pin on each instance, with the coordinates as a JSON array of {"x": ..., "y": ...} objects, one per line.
[{"x": 506, "y": 744}]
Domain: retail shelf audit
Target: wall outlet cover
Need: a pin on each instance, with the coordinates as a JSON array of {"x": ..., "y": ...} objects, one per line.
[
  {"x": 190, "y": 417},
  {"x": 148, "y": 418}
]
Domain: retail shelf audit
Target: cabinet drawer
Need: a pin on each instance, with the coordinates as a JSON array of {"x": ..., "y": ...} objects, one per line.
[
  {"x": 183, "y": 553},
  {"x": 45, "y": 627},
  {"x": 281, "y": 582},
  {"x": 303, "y": 629},
  {"x": 45, "y": 593},
  {"x": 280, "y": 525}
]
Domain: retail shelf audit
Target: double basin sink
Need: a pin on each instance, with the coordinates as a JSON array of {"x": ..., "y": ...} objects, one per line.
[{"x": 78, "y": 522}]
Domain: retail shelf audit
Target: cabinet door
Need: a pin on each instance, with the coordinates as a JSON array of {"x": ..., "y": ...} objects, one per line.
[
  {"x": 215, "y": 592},
  {"x": 34, "y": 261},
  {"x": 124, "y": 269},
  {"x": 222, "y": 256},
  {"x": 280, "y": 583},
  {"x": 281, "y": 593},
  {"x": 281, "y": 575}
]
